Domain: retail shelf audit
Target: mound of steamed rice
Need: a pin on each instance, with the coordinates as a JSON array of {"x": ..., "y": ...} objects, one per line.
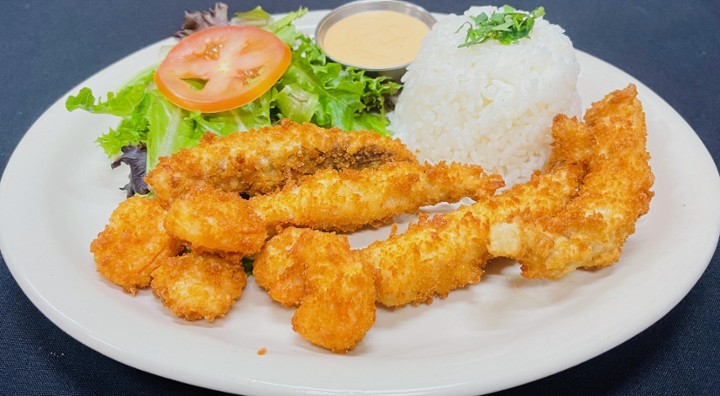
[{"x": 488, "y": 104}]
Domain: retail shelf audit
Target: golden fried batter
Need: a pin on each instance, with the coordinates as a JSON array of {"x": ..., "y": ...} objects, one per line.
[
  {"x": 577, "y": 212},
  {"x": 591, "y": 229},
  {"x": 133, "y": 243},
  {"x": 350, "y": 199},
  {"x": 277, "y": 268},
  {"x": 449, "y": 251},
  {"x": 198, "y": 286},
  {"x": 214, "y": 220},
  {"x": 339, "y": 303},
  {"x": 431, "y": 258},
  {"x": 262, "y": 160}
]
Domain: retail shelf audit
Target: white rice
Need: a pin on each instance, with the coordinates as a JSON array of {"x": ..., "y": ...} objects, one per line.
[{"x": 488, "y": 104}]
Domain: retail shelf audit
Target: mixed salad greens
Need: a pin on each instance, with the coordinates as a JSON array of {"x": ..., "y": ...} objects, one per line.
[{"x": 312, "y": 89}]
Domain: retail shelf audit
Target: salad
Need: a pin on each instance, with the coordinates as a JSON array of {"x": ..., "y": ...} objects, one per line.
[{"x": 166, "y": 107}]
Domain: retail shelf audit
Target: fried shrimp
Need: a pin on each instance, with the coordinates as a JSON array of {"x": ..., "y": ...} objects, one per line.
[
  {"x": 577, "y": 212},
  {"x": 591, "y": 230},
  {"x": 350, "y": 199},
  {"x": 442, "y": 253},
  {"x": 216, "y": 221},
  {"x": 338, "y": 307},
  {"x": 133, "y": 243},
  {"x": 198, "y": 286},
  {"x": 278, "y": 270},
  {"x": 432, "y": 257},
  {"x": 449, "y": 251},
  {"x": 263, "y": 160}
]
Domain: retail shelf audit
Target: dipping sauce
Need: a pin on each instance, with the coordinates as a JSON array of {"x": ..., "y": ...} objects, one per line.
[{"x": 375, "y": 39}]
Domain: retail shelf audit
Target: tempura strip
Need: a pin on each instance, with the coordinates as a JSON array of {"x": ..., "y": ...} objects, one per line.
[
  {"x": 262, "y": 160},
  {"x": 350, "y": 199},
  {"x": 449, "y": 251},
  {"x": 591, "y": 230}
]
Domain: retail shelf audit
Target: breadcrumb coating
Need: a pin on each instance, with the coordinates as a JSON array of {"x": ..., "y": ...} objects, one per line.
[
  {"x": 338, "y": 307},
  {"x": 591, "y": 230},
  {"x": 216, "y": 221},
  {"x": 348, "y": 200},
  {"x": 262, "y": 160},
  {"x": 133, "y": 243},
  {"x": 198, "y": 286}
]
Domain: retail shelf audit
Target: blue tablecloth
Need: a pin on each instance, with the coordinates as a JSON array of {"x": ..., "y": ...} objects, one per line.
[{"x": 673, "y": 47}]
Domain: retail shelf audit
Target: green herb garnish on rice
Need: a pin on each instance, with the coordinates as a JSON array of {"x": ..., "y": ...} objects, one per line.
[{"x": 507, "y": 26}]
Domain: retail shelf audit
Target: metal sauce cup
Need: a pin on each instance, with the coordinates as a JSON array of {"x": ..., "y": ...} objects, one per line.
[{"x": 394, "y": 72}]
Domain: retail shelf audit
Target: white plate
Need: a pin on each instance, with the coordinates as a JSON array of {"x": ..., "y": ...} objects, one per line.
[{"x": 58, "y": 191}]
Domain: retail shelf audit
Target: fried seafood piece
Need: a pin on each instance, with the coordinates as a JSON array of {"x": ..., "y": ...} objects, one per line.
[
  {"x": 436, "y": 255},
  {"x": 278, "y": 269},
  {"x": 449, "y": 251},
  {"x": 432, "y": 257},
  {"x": 215, "y": 221},
  {"x": 198, "y": 286},
  {"x": 133, "y": 243},
  {"x": 338, "y": 307},
  {"x": 591, "y": 230},
  {"x": 350, "y": 199},
  {"x": 262, "y": 160}
]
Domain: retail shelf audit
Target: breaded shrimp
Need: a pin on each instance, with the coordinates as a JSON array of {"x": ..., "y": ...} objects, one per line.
[
  {"x": 591, "y": 230},
  {"x": 338, "y": 307},
  {"x": 198, "y": 286},
  {"x": 448, "y": 251},
  {"x": 263, "y": 160},
  {"x": 133, "y": 243},
  {"x": 216, "y": 221},
  {"x": 577, "y": 212},
  {"x": 432, "y": 257},
  {"x": 350, "y": 199},
  {"x": 277, "y": 268}
]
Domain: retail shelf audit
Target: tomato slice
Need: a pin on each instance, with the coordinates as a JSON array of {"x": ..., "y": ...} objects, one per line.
[{"x": 222, "y": 68}]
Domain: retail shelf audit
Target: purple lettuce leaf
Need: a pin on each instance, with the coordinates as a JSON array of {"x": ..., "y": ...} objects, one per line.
[
  {"x": 135, "y": 156},
  {"x": 199, "y": 20}
]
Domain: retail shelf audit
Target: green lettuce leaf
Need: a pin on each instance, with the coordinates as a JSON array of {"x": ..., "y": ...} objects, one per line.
[
  {"x": 169, "y": 128},
  {"x": 326, "y": 93},
  {"x": 255, "y": 114},
  {"x": 121, "y": 103},
  {"x": 132, "y": 130},
  {"x": 255, "y": 17},
  {"x": 311, "y": 90},
  {"x": 296, "y": 103}
]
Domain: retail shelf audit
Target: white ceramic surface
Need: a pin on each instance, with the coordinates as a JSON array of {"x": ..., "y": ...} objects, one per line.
[{"x": 58, "y": 192}]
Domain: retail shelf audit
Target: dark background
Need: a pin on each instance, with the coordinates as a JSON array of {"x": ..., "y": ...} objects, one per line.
[{"x": 47, "y": 47}]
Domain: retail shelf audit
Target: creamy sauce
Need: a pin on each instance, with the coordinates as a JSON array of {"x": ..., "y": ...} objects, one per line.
[{"x": 375, "y": 39}]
